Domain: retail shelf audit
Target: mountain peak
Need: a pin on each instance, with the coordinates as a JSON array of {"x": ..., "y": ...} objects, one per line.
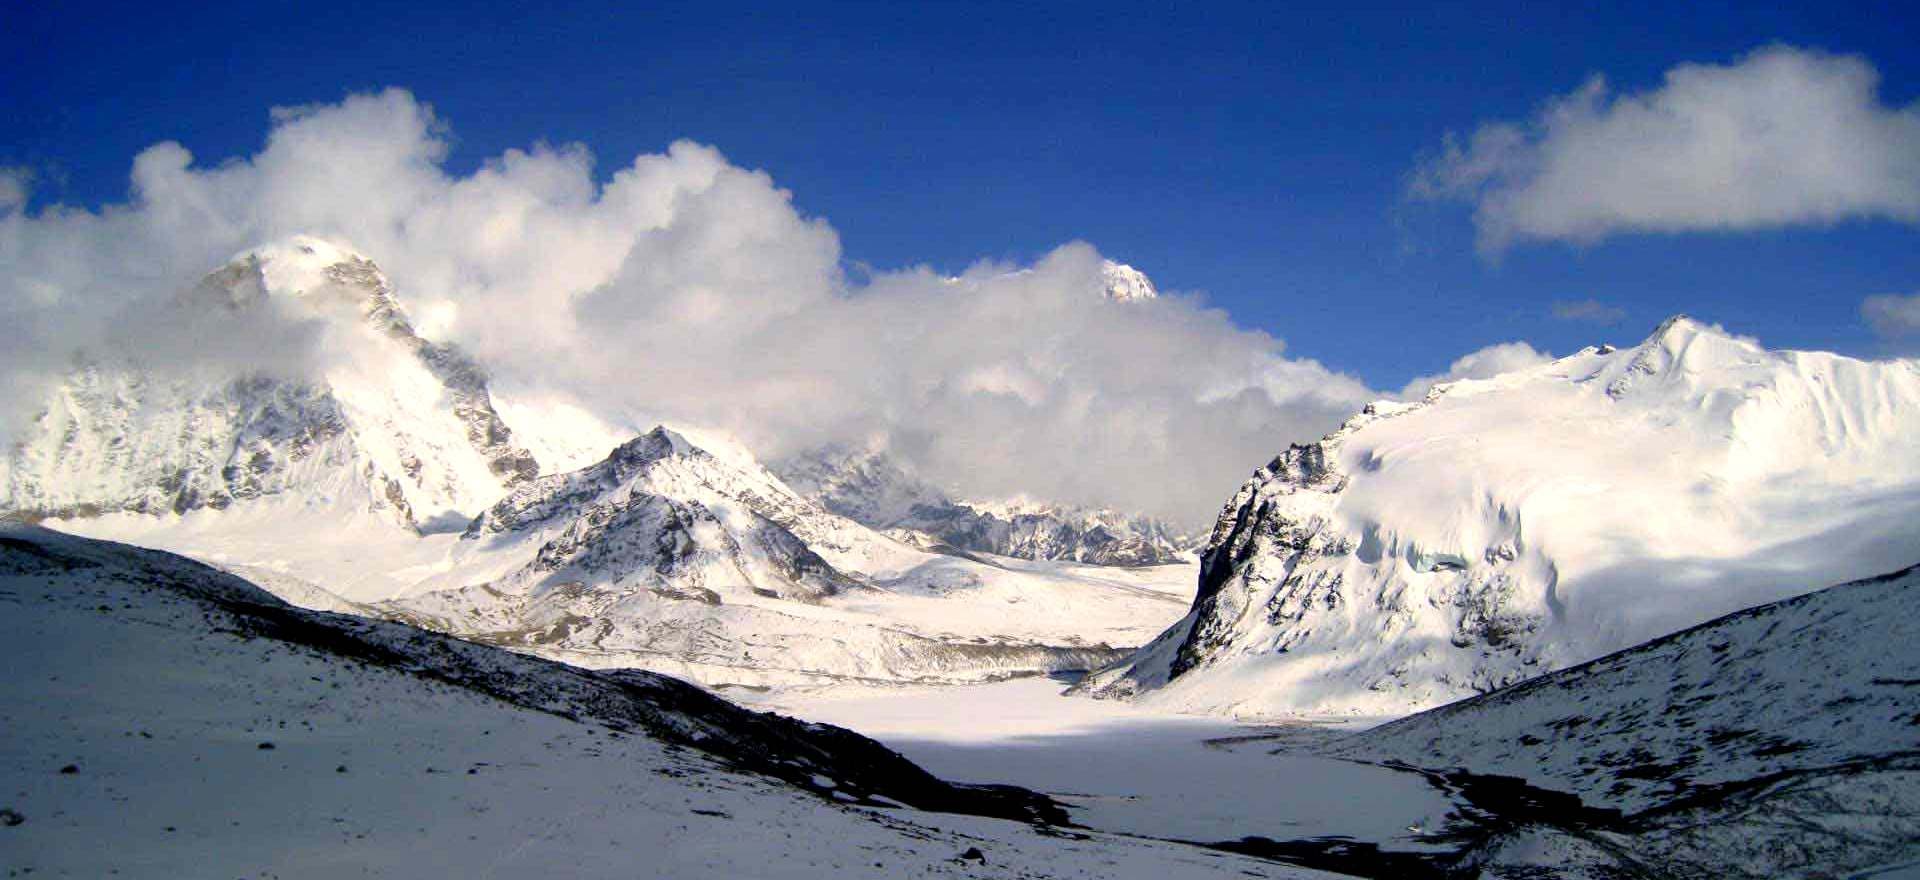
[
  {"x": 1123, "y": 283},
  {"x": 322, "y": 274},
  {"x": 299, "y": 266},
  {"x": 1686, "y": 350},
  {"x": 1677, "y": 328}
]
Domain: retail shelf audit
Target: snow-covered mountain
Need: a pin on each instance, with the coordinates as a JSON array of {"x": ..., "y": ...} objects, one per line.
[
  {"x": 1506, "y": 527},
  {"x": 204, "y": 727},
  {"x": 385, "y": 481},
  {"x": 1782, "y": 740},
  {"x": 868, "y": 486},
  {"x": 398, "y": 424}
]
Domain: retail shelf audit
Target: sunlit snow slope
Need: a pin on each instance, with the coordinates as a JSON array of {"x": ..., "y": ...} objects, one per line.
[{"x": 1506, "y": 527}]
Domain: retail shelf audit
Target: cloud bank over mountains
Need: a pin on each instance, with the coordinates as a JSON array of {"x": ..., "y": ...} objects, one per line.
[
  {"x": 1783, "y": 136},
  {"x": 683, "y": 288}
]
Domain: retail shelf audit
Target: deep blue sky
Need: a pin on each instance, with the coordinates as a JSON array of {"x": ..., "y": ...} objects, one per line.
[{"x": 1253, "y": 152}]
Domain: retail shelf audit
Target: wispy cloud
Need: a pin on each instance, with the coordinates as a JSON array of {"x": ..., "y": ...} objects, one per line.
[
  {"x": 688, "y": 289},
  {"x": 1783, "y": 136},
  {"x": 1894, "y": 318},
  {"x": 15, "y": 185},
  {"x": 1589, "y": 310}
]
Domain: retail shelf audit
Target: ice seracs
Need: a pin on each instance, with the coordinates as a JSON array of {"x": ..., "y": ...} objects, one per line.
[{"x": 1506, "y": 527}]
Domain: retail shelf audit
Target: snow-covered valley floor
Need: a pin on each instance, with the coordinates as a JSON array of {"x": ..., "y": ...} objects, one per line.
[{"x": 1129, "y": 770}]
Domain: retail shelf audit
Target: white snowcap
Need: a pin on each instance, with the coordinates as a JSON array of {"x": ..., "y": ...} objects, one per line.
[
  {"x": 1125, "y": 283},
  {"x": 297, "y": 265}
]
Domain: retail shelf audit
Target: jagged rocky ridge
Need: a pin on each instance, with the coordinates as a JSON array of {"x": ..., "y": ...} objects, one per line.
[
  {"x": 401, "y": 425},
  {"x": 1506, "y": 527},
  {"x": 1782, "y": 740},
  {"x": 869, "y": 487}
]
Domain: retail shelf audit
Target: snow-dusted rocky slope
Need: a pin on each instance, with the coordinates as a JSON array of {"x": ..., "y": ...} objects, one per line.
[
  {"x": 399, "y": 425},
  {"x": 868, "y": 486},
  {"x": 165, "y": 719},
  {"x": 1506, "y": 527},
  {"x": 1782, "y": 740}
]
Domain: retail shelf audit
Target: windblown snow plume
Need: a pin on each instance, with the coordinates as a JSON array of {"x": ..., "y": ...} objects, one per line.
[{"x": 678, "y": 288}]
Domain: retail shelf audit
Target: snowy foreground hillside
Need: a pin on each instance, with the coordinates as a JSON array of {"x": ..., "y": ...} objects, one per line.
[
  {"x": 1506, "y": 527},
  {"x": 1779, "y": 741},
  {"x": 385, "y": 481},
  {"x": 205, "y": 727},
  {"x": 164, "y": 719}
]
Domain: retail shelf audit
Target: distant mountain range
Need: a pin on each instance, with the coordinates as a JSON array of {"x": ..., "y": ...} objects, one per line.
[{"x": 869, "y": 487}]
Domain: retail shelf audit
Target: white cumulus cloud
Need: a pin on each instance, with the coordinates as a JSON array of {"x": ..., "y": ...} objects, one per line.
[
  {"x": 1485, "y": 363},
  {"x": 678, "y": 288},
  {"x": 1780, "y": 137}
]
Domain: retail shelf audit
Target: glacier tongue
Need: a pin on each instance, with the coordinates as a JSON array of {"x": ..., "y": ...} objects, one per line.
[{"x": 1509, "y": 526}]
